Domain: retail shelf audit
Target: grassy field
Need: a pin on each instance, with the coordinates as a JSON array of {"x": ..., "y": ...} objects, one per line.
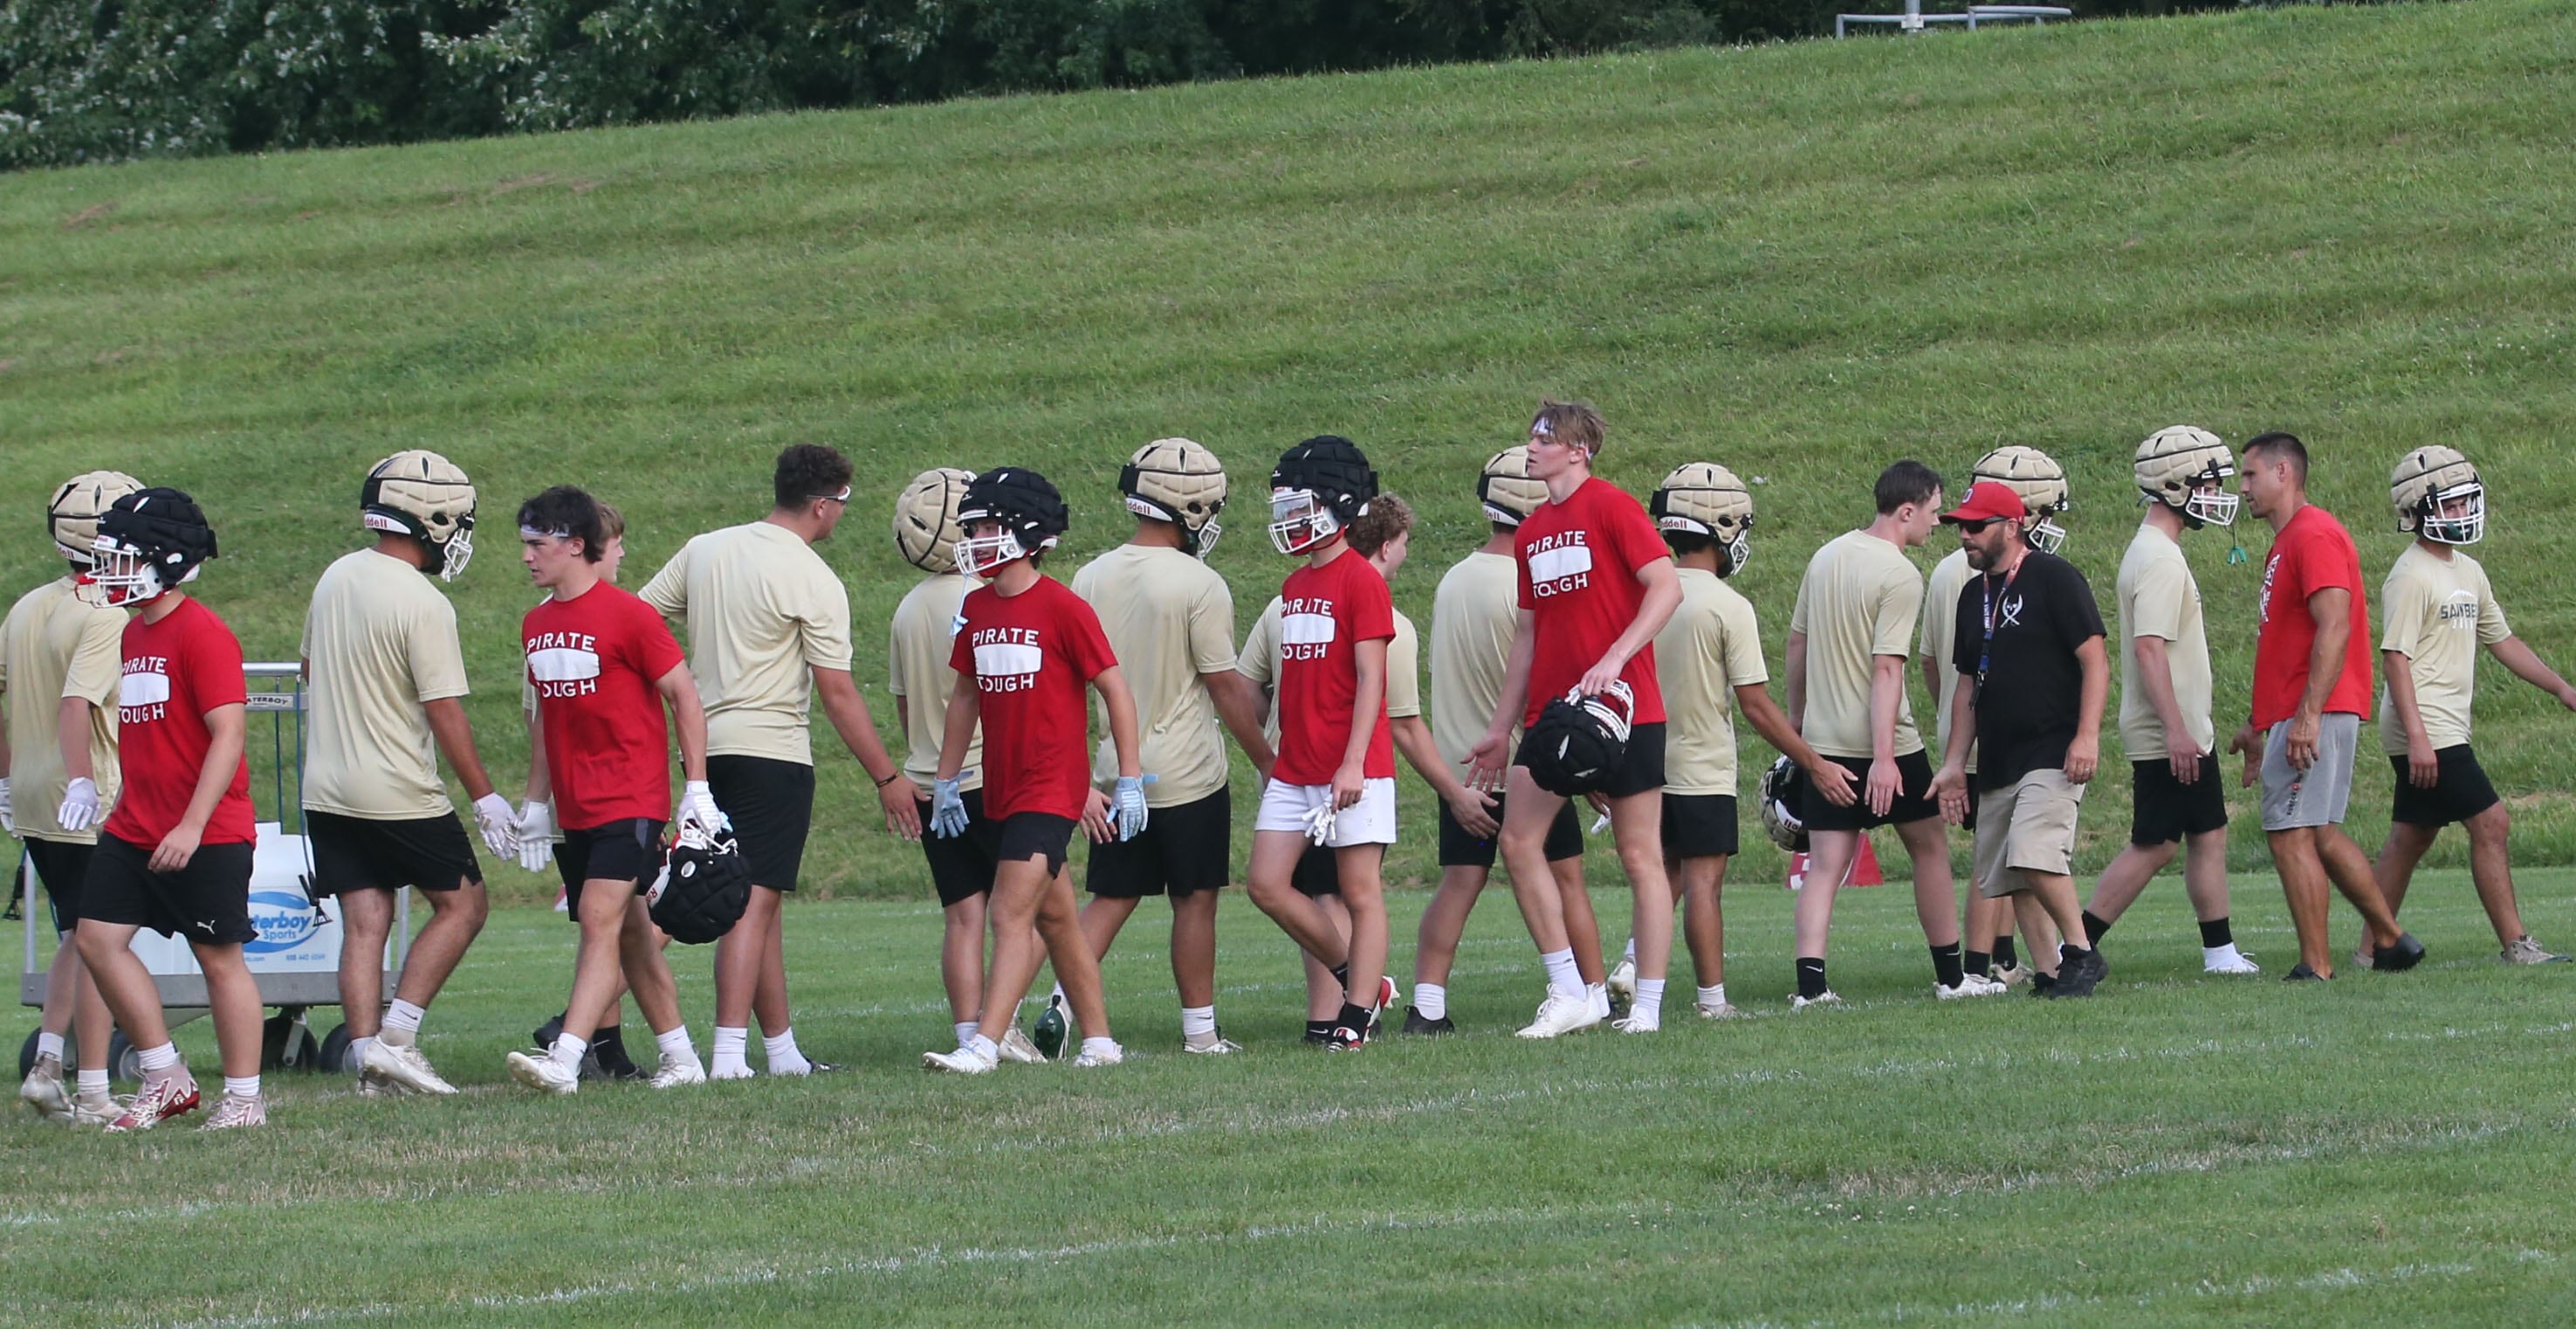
[
  {"x": 2180, "y": 1151},
  {"x": 1803, "y": 261}
]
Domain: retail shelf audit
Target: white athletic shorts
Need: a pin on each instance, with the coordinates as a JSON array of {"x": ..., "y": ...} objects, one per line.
[{"x": 1285, "y": 807}]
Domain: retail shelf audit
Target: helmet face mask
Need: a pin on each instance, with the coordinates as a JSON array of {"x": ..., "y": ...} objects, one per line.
[
  {"x": 983, "y": 555},
  {"x": 1300, "y": 521},
  {"x": 2467, "y": 527},
  {"x": 1319, "y": 487},
  {"x": 2187, "y": 469},
  {"x": 152, "y": 542},
  {"x": 423, "y": 495},
  {"x": 1008, "y": 514},
  {"x": 122, "y": 577},
  {"x": 1178, "y": 481}
]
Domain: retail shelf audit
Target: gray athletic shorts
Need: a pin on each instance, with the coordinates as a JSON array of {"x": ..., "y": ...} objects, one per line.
[{"x": 2316, "y": 796}]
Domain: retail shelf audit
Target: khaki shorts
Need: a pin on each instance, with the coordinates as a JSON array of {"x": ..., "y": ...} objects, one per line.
[{"x": 2030, "y": 826}]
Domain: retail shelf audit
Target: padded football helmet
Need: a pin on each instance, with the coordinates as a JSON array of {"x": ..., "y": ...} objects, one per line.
[
  {"x": 1577, "y": 741},
  {"x": 1506, "y": 489},
  {"x": 77, "y": 505},
  {"x": 1031, "y": 512},
  {"x": 925, "y": 518},
  {"x": 703, "y": 887},
  {"x": 1704, "y": 498},
  {"x": 2039, "y": 480},
  {"x": 423, "y": 495},
  {"x": 1181, "y": 482},
  {"x": 1784, "y": 795},
  {"x": 150, "y": 542},
  {"x": 2430, "y": 478},
  {"x": 1318, "y": 487},
  {"x": 2173, "y": 466}
]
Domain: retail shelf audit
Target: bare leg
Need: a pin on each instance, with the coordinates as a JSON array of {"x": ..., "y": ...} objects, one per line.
[
  {"x": 648, "y": 974},
  {"x": 1829, "y": 857},
  {"x": 124, "y": 982},
  {"x": 596, "y": 967},
  {"x": 739, "y": 957},
  {"x": 2350, "y": 870},
  {"x": 961, "y": 957},
  {"x": 1988, "y": 918},
  {"x": 1193, "y": 948},
  {"x": 2204, "y": 875},
  {"x": 455, "y": 919},
  {"x": 1323, "y": 991},
  {"x": 2492, "y": 869},
  {"x": 769, "y": 999},
  {"x": 2303, "y": 883},
  {"x": 1522, "y": 845},
  {"x": 1444, "y": 921},
  {"x": 1364, "y": 898},
  {"x": 1274, "y": 863},
  {"x": 73, "y": 1005},
  {"x": 2126, "y": 878},
  {"x": 1059, "y": 924},
  {"x": 232, "y": 995},
  {"x": 1102, "y": 917},
  {"x": 366, "y": 920},
  {"x": 1936, "y": 897},
  {"x": 2054, "y": 893},
  {"x": 1033, "y": 912},
  {"x": 1637, "y": 822},
  {"x": 2394, "y": 869},
  {"x": 1701, "y": 880}
]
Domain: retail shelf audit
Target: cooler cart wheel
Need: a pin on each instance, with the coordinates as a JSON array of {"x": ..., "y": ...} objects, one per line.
[
  {"x": 285, "y": 1044},
  {"x": 123, "y": 1062},
  {"x": 334, "y": 1056},
  {"x": 27, "y": 1053}
]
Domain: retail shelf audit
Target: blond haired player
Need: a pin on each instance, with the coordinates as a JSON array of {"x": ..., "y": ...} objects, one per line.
[
  {"x": 2165, "y": 690},
  {"x": 2436, "y": 609},
  {"x": 1473, "y": 616},
  {"x": 387, "y": 680},
  {"x": 59, "y": 670}
]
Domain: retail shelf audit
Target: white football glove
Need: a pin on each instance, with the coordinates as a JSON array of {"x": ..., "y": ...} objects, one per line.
[
  {"x": 1319, "y": 821},
  {"x": 1130, "y": 802},
  {"x": 698, "y": 808},
  {"x": 7, "y": 823},
  {"x": 536, "y": 836},
  {"x": 80, "y": 805},
  {"x": 500, "y": 827},
  {"x": 947, "y": 808}
]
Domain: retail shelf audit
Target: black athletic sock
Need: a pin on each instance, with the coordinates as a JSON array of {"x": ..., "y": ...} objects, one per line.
[
  {"x": 1811, "y": 976},
  {"x": 1353, "y": 1017},
  {"x": 2004, "y": 953},
  {"x": 2069, "y": 953},
  {"x": 1977, "y": 962},
  {"x": 1945, "y": 965},
  {"x": 2215, "y": 933},
  {"x": 1316, "y": 1029},
  {"x": 1342, "y": 975},
  {"x": 2095, "y": 926}
]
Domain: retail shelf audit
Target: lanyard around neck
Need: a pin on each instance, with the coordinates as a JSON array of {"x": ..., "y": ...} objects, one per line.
[{"x": 1986, "y": 649}]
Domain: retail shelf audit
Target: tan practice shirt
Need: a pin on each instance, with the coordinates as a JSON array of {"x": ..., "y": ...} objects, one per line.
[
  {"x": 2439, "y": 612},
  {"x": 1259, "y": 661},
  {"x": 1711, "y": 647},
  {"x": 917, "y": 652},
  {"x": 1941, "y": 624},
  {"x": 1473, "y": 616},
  {"x": 381, "y": 639},
  {"x": 763, "y": 610},
  {"x": 52, "y": 646},
  {"x": 1857, "y": 602},
  {"x": 2160, "y": 598},
  {"x": 1403, "y": 671},
  {"x": 1169, "y": 618}
]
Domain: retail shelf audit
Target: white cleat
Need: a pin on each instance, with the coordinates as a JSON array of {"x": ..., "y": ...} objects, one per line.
[
  {"x": 2011, "y": 975},
  {"x": 1622, "y": 983},
  {"x": 677, "y": 1069},
  {"x": 963, "y": 1061},
  {"x": 96, "y": 1110},
  {"x": 1639, "y": 1022},
  {"x": 1970, "y": 985},
  {"x": 541, "y": 1072},
  {"x": 1217, "y": 1045},
  {"x": 1017, "y": 1048},
  {"x": 1803, "y": 1003},
  {"x": 44, "y": 1092},
  {"x": 2233, "y": 962},
  {"x": 1109, "y": 1056},
  {"x": 1600, "y": 995},
  {"x": 742, "y": 1072},
  {"x": 237, "y": 1112},
  {"x": 403, "y": 1066},
  {"x": 1720, "y": 1011},
  {"x": 1560, "y": 1014}
]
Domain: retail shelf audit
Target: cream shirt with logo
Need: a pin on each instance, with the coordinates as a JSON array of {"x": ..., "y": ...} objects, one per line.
[
  {"x": 1473, "y": 616},
  {"x": 763, "y": 610},
  {"x": 380, "y": 640},
  {"x": 2439, "y": 612},
  {"x": 53, "y": 647},
  {"x": 1940, "y": 624},
  {"x": 1711, "y": 647},
  {"x": 2160, "y": 598},
  {"x": 1856, "y": 602},
  {"x": 917, "y": 654},
  {"x": 1169, "y": 618}
]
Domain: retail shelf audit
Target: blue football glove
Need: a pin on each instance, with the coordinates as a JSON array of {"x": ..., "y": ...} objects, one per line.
[
  {"x": 1130, "y": 799},
  {"x": 947, "y": 809}
]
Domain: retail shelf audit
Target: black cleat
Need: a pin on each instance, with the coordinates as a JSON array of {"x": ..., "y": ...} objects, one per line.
[
  {"x": 1414, "y": 1023},
  {"x": 2397, "y": 959},
  {"x": 2042, "y": 985},
  {"x": 609, "y": 1054},
  {"x": 2077, "y": 979},
  {"x": 551, "y": 1030},
  {"x": 2301, "y": 973}
]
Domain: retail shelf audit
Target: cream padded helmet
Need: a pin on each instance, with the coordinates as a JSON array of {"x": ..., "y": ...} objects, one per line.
[
  {"x": 2040, "y": 482},
  {"x": 1506, "y": 489},
  {"x": 2430, "y": 477},
  {"x": 1704, "y": 498},
  {"x": 1181, "y": 482},
  {"x": 2186, "y": 468},
  {"x": 423, "y": 495},
  {"x": 76, "y": 506},
  {"x": 925, "y": 518}
]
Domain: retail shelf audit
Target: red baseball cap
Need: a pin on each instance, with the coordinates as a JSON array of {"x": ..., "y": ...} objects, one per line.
[{"x": 1989, "y": 500}]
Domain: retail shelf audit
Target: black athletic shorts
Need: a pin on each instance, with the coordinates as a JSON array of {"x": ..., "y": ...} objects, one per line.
[
  {"x": 771, "y": 805},
  {"x": 62, "y": 865},
  {"x": 2166, "y": 809},
  {"x": 2459, "y": 792},
  {"x": 961, "y": 866},
  {"x": 1699, "y": 825},
  {"x": 358, "y": 853},
  {"x": 1318, "y": 872},
  {"x": 207, "y": 902},
  {"x": 1185, "y": 849},
  {"x": 629, "y": 850},
  {"x": 1913, "y": 797},
  {"x": 1458, "y": 849},
  {"x": 1028, "y": 835},
  {"x": 1641, "y": 765}
]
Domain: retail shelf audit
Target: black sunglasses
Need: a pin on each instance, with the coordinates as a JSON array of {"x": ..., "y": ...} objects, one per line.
[{"x": 1975, "y": 525}]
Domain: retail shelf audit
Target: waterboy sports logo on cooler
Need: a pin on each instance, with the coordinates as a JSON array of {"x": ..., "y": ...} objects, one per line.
[
  {"x": 283, "y": 920},
  {"x": 1559, "y": 563}
]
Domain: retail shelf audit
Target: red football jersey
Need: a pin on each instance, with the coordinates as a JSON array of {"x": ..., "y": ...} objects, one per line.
[
  {"x": 1579, "y": 562},
  {"x": 1031, "y": 655},
  {"x": 176, "y": 670},
  {"x": 2311, "y": 554},
  {"x": 594, "y": 661},
  {"x": 1325, "y": 612}
]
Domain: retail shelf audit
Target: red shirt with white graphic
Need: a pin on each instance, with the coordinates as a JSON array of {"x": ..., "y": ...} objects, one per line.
[
  {"x": 1031, "y": 655},
  {"x": 2311, "y": 554},
  {"x": 1325, "y": 612},
  {"x": 176, "y": 670},
  {"x": 1579, "y": 562},
  {"x": 594, "y": 661}
]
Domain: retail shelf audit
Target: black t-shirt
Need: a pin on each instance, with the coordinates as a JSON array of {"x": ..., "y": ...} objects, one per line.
[{"x": 2027, "y": 711}]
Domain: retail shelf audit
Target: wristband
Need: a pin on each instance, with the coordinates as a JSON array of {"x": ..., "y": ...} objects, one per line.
[{"x": 891, "y": 777}]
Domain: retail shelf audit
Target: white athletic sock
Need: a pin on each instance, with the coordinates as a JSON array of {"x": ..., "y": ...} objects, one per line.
[
  {"x": 732, "y": 1045},
  {"x": 1631, "y": 955},
  {"x": 568, "y": 1050},
  {"x": 1650, "y": 998},
  {"x": 991, "y": 1051},
  {"x": 48, "y": 1045},
  {"x": 162, "y": 1058},
  {"x": 675, "y": 1042},
  {"x": 241, "y": 1086},
  {"x": 1713, "y": 996},
  {"x": 1198, "y": 1021},
  {"x": 1563, "y": 979},
  {"x": 93, "y": 1084},
  {"x": 402, "y": 1023},
  {"x": 966, "y": 1030},
  {"x": 784, "y": 1059},
  {"x": 358, "y": 1049},
  {"x": 1431, "y": 1000},
  {"x": 1100, "y": 1046}
]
